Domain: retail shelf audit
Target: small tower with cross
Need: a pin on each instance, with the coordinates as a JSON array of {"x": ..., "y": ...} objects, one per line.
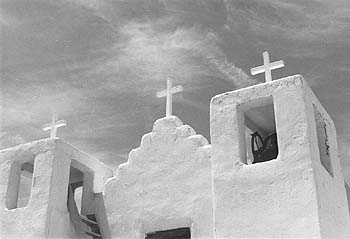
[
  {"x": 54, "y": 125},
  {"x": 168, "y": 93}
]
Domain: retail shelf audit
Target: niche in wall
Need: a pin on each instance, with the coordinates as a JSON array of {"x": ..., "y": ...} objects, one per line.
[{"x": 323, "y": 142}]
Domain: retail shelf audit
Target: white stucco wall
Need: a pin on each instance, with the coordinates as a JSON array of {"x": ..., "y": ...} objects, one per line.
[
  {"x": 165, "y": 184},
  {"x": 331, "y": 196},
  {"x": 290, "y": 196},
  {"x": 46, "y": 215}
]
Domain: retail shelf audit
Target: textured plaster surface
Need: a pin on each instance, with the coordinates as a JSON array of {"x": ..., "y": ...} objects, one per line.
[
  {"x": 332, "y": 198},
  {"x": 165, "y": 184},
  {"x": 46, "y": 215},
  {"x": 43, "y": 216},
  {"x": 291, "y": 196}
]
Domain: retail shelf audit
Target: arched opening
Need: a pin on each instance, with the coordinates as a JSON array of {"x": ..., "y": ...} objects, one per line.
[
  {"x": 81, "y": 201},
  {"x": 76, "y": 178},
  {"x": 20, "y": 182}
]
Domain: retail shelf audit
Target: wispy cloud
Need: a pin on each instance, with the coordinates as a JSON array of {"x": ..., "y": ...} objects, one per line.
[
  {"x": 10, "y": 139},
  {"x": 99, "y": 63},
  {"x": 148, "y": 55},
  {"x": 295, "y": 20}
]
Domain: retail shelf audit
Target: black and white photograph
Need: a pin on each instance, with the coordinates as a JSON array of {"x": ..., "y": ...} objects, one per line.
[{"x": 174, "y": 119}]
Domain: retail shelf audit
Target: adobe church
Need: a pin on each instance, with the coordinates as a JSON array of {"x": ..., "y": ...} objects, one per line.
[{"x": 176, "y": 185}]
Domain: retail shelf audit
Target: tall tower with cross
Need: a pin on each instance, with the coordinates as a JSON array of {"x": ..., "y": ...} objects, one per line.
[
  {"x": 300, "y": 193},
  {"x": 168, "y": 93}
]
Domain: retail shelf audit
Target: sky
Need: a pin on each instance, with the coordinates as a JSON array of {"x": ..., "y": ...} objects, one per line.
[{"x": 99, "y": 64}]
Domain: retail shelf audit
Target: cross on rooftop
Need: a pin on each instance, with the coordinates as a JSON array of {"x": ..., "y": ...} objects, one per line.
[
  {"x": 267, "y": 67},
  {"x": 54, "y": 125},
  {"x": 169, "y": 96}
]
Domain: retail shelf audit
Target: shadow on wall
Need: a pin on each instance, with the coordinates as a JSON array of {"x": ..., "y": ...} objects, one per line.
[
  {"x": 347, "y": 188},
  {"x": 24, "y": 190}
]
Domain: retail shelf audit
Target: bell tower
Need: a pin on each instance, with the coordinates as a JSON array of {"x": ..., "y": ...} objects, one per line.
[{"x": 301, "y": 192}]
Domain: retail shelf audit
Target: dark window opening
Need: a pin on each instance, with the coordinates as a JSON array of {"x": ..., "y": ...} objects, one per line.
[
  {"x": 260, "y": 131},
  {"x": 80, "y": 207},
  {"x": 75, "y": 189},
  {"x": 178, "y": 233},
  {"x": 322, "y": 140},
  {"x": 93, "y": 226}
]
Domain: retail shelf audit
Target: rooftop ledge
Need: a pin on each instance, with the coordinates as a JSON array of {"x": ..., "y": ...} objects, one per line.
[{"x": 295, "y": 80}]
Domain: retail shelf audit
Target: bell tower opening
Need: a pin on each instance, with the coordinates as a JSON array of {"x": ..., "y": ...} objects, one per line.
[
  {"x": 25, "y": 185},
  {"x": 20, "y": 182},
  {"x": 76, "y": 178},
  {"x": 259, "y": 129},
  {"x": 81, "y": 201}
]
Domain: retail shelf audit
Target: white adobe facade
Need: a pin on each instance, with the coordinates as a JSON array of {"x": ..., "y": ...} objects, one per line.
[
  {"x": 165, "y": 184},
  {"x": 175, "y": 179},
  {"x": 301, "y": 193},
  {"x": 54, "y": 164}
]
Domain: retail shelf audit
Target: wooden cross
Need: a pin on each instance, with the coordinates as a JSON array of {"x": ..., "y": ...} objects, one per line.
[
  {"x": 169, "y": 96},
  {"x": 267, "y": 67},
  {"x": 54, "y": 125}
]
